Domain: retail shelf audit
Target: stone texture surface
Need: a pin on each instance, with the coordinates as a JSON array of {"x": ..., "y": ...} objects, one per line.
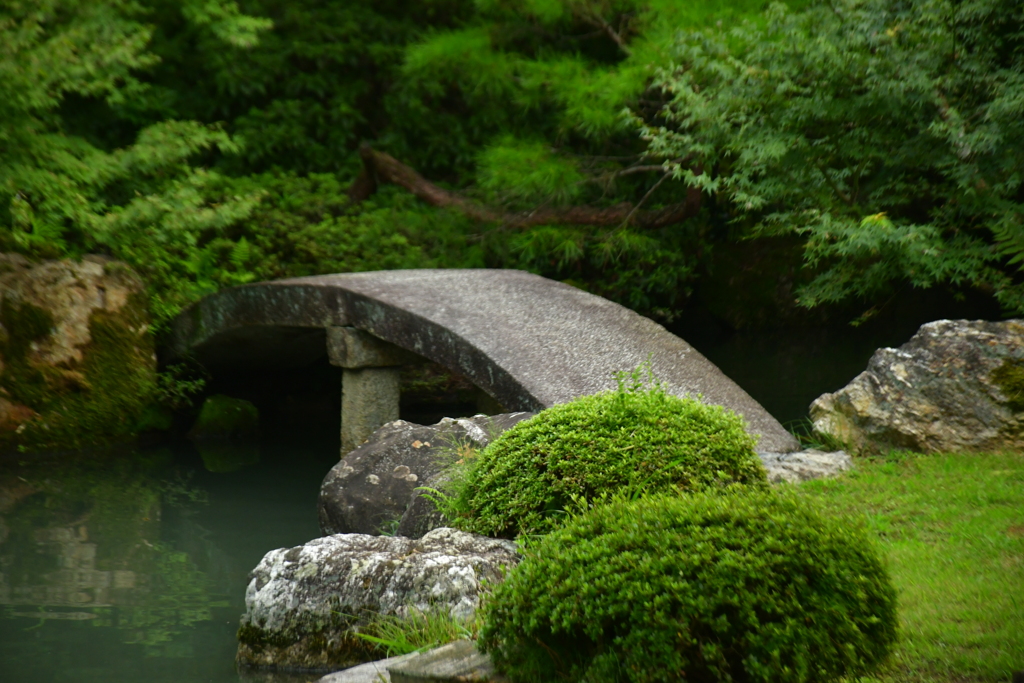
[
  {"x": 805, "y": 465},
  {"x": 70, "y": 292},
  {"x": 527, "y": 341},
  {"x": 944, "y": 390},
  {"x": 457, "y": 662},
  {"x": 369, "y": 398},
  {"x": 375, "y": 485},
  {"x": 371, "y": 672},
  {"x": 304, "y": 604},
  {"x": 348, "y": 347}
]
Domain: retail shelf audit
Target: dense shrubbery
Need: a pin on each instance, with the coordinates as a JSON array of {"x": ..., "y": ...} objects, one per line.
[
  {"x": 743, "y": 586},
  {"x": 634, "y": 439},
  {"x": 297, "y": 225},
  {"x": 885, "y": 136},
  {"x": 888, "y": 135}
]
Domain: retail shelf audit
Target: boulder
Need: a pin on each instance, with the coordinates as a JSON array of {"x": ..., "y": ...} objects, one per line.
[
  {"x": 457, "y": 662},
  {"x": 371, "y": 672},
  {"x": 374, "y": 487},
  {"x": 805, "y": 465},
  {"x": 223, "y": 417},
  {"x": 77, "y": 361},
  {"x": 305, "y": 605},
  {"x": 957, "y": 385}
]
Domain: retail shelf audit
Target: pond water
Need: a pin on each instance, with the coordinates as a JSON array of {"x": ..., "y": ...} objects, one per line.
[{"x": 132, "y": 566}]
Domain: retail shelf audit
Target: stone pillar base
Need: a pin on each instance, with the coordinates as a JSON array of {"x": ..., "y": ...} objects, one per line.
[
  {"x": 369, "y": 381},
  {"x": 369, "y": 399}
]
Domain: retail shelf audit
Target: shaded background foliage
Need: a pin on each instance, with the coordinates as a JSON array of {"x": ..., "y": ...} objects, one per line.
[{"x": 213, "y": 143}]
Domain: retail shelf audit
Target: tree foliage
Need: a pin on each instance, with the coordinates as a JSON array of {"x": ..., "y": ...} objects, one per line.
[
  {"x": 889, "y": 135},
  {"x": 61, "y": 194},
  {"x": 159, "y": 191},
  {"x": 169, "y": 133}
]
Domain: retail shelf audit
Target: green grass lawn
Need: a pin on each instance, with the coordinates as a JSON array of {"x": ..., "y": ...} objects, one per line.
[{"x": 952, "y": 526}]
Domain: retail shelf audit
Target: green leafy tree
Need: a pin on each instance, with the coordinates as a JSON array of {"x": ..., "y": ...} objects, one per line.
[
  {"x": 520, "y": 107},
  {"x": 889, "y": 135},
  {"x": 63, "y": 194},
  {"x": 305, "y": 96}
]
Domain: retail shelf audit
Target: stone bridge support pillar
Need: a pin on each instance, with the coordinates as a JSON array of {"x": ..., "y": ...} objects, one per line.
[{"x": 369, "y": 382}]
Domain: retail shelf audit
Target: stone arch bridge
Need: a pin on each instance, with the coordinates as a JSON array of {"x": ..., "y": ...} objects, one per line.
[{"x": 527, "y": 341}]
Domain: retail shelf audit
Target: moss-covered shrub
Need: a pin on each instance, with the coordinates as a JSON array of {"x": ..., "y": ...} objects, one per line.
[
  {"x": 634, "y": 439},
  {"x": 746, "y": 586}
]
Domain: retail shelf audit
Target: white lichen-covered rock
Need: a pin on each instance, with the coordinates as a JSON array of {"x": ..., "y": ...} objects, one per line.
[
  {"x": 957, "y": 385},
  {"x": 805, "y": 465},
  {"x": 304, "y": 605}
]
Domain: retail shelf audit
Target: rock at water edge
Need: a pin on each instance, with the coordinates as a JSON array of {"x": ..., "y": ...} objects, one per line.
[{"x": 305, "y": 605}]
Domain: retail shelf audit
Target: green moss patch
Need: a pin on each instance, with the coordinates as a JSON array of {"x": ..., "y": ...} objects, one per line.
[
  {"x": 1009, "y": 377},
  {"x": 25, "y": 325},
  {"x": 312, "y": 643},
  {"x": 952, "y": 527},
  {"x": 224, "y": 417},
  {"x": 95, "y": 402}
]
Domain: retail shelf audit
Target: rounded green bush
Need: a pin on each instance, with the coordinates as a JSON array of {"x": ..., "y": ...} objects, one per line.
[
  {"x": 744, "y": 586},
  {"x": 628, "y": 440}
]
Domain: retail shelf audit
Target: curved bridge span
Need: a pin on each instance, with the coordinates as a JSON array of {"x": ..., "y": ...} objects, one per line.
[{"x": 526, "y": 341}]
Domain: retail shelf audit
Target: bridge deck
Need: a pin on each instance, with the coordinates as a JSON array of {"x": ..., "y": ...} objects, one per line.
[{"x": 528, "y": 341}]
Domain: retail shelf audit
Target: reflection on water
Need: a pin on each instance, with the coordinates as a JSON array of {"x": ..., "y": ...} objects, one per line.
[
  {"x": 227, "y": 456},
  {"x": 132, "y": 566}
]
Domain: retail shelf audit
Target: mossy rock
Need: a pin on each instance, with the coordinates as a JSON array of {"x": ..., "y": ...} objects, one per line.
[
  {"x": 81, "y": 366},
  {"x": 634, "y": 439},
  {"x": 1009, "y": 377},
  {"x": 222, "y": 456},
  {"x": 747, "y": 586},
  {"x": 226, "y": 418}
]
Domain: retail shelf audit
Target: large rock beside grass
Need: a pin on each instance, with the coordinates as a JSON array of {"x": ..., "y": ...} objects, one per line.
[
  {"x": 304, "y": 605},
  {"x": 805, "y": 465},
  {"x": 76, "y": 356},
  {"x": 373, "y": 487},
  {"x": 957, "y": 385}
]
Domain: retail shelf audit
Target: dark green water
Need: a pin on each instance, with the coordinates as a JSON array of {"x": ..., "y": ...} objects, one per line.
[{"x": 125, "y": 567}]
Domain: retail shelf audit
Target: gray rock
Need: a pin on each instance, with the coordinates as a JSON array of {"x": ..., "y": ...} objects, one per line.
[
  {"x": 957, "y": 385},
  {"x": 304, "y": 605},
  {"x": 805, "y": 465},
  {"x": 371, "y": 672},
  {"x": 375, "y": 485},
  {"x": 527, "y": 341},
  {"x": 457, "y": 662}
]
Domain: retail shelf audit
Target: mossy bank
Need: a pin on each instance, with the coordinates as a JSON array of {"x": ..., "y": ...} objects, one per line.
[{"x": 77, "y": 357}]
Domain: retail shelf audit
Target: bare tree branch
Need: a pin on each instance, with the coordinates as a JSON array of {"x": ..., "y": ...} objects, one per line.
[
  {"x": 663, "y": 178},
  {"x": 595, "y": 19},
  {"x": 379, "y": 167},
  {"x": 639, "y": 169}
]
